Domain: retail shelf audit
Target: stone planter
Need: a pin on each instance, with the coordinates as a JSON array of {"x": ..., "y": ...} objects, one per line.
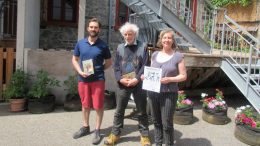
[
  {"x": 183, "y": 116},
  {"x": 42, "y": 105},
  {"x": 72, "y": 103},
  {"x": 215, "y": 117},
  {"x": 248, "y": 135}
]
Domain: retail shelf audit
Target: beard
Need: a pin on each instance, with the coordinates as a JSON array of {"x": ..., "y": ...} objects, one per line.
[{"x": 93, "y": 34}]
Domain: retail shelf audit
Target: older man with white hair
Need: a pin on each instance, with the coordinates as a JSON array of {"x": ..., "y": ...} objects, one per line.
[{"x": 131, "y": 57}]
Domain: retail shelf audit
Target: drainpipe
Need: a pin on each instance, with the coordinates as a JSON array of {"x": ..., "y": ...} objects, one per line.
[{"x": 109, "y": 23}]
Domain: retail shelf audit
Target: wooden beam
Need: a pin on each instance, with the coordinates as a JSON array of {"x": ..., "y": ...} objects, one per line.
[
  {"x": 204, "y": 76},
  {"x": 9, "y": 63}
]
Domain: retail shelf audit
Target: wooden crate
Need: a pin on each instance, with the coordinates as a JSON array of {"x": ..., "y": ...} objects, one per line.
[{"x": 7, "y": 66}]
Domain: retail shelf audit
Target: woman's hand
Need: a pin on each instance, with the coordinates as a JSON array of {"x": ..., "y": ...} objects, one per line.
[
  {"x": 142, "y": 77},
  {"x": 166, "y": 80}
]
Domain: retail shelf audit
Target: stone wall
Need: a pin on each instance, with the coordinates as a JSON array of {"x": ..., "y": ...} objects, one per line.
[{"x": 55, "y": 37}]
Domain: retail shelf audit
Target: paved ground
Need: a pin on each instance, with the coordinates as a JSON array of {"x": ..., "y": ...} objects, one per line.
[{"x": 56, "y": 129}]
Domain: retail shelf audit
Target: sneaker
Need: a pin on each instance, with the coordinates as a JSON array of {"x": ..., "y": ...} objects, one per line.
[
  {"x": 96, "y": 139},
  {"x": 145, "y": 141},
  {"x": 112, "y": 139},
  {"x": 82, "y": 132}
]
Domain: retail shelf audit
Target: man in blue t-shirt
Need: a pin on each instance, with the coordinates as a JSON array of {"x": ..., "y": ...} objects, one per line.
[{"x": 91, "y": 57}]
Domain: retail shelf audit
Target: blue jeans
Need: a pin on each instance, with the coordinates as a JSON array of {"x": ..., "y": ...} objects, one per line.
[{"x": 123, "y": 96}]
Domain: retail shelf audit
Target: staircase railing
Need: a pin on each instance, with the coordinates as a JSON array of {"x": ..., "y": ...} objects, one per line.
[
  {"x": 240, "y": 49},
  {"x": 200, "y": 16}
]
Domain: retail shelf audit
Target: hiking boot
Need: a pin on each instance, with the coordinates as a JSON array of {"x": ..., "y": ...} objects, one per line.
[
  {"x": 112, "y": 139},
  {"x": 145, "y": 141},
  {"x": 96, "y": 139},
  {"x": 82, "y": 132}
]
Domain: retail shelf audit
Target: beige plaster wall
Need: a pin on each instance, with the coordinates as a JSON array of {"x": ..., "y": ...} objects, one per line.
[{"x": 58, "y": 64}]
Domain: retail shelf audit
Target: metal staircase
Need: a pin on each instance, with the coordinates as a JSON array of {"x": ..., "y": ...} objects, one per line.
[
  {"x": 160, "y": 17},
  {"x": 241, "y": 58}
]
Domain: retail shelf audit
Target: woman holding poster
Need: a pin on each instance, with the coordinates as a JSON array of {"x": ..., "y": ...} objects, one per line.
[{"x": 162, "y": 104}]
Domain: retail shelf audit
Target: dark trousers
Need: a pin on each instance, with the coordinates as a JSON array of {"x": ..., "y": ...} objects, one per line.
[
  {"x": 162, "y": 108},
  {"x": 123, "y": 96}
]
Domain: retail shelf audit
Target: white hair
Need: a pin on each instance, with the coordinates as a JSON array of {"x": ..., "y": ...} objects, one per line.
[{"x": 129, "y": 27}]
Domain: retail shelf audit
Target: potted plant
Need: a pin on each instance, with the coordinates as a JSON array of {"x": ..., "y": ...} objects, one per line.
[
  {"x": 40, "y": 98},
  {"x": 72, "y": 101},
  {"x": 247, "y": 127},
  {"x": 183, "y": 114},
  {"x": 214, "y": 108},
  {"x": 16, "y": 91}
]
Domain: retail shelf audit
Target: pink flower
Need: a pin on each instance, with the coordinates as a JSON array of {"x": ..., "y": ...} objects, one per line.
[
  {"x": 211, "y": 105},
  {"x": 187, "y": 101},
  {"x": 247, "y": 120},
  {"x": 253, "y": 124}
]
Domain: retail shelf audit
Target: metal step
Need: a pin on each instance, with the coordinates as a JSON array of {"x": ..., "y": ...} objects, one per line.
[{"x": 250, "y": 91}]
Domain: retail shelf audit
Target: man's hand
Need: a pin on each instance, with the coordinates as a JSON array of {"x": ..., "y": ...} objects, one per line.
[
  {"x": 84, "y": 75},
  {"x": 132, "y": 82},
  {"x": 124, "y": 81}
]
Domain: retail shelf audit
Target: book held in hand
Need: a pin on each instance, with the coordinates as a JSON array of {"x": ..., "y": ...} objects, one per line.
[
  {"x": 88, "y": 66},
  {"x": 130, "y": 75}
]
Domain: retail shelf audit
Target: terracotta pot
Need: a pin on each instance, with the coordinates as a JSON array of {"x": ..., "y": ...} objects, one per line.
[
  {"x": 247, "y": 135},
  {"x": 17, "y": 105},
  {"x": 183, "y": 116},
  {"x": 217, "y": 118}
]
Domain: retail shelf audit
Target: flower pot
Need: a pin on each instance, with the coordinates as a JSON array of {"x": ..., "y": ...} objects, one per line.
[
  {"x": 17, "y": 105},
  {"x": 72, "y": 103},
  {"x": 183, "y": 116},
  {"x": 218, "y": 117},
  {"x": 41, "y": 105},
  {"x": 248, "y": 135}
]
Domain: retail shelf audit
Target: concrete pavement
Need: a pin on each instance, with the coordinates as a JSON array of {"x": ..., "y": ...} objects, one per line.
[{"x": 56, "y": 128}]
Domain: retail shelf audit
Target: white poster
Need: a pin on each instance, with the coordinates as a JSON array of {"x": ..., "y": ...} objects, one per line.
[{"x": 152, "y": 79}]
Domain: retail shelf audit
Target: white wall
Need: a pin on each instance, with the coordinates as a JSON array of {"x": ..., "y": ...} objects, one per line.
[{"x": 28, "y": 28}]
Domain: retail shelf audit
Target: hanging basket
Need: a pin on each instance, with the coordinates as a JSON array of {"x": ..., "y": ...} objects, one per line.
[
  {"x": 248, "y": 135},
  {"x": 183, "y": 116},
  {"x": 218, "y": 117}
]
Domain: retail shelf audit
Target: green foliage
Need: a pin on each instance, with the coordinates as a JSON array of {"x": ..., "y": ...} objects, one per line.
[
  {"x": 17, "y": 87},
  {"x": 222, "y": 3},
  {"x": 43, "y": 83},
  {"x": 219, "y": 94},
  {"x": 182, "y": 101},
  {"x": 72, "y": 85}
]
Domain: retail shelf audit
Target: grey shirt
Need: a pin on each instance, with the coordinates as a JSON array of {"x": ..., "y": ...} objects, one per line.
[{"x": 169, "y": 69}]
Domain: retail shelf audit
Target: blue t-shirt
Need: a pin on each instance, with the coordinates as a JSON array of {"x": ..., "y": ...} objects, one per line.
[{"x": 98, "y": 52}]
